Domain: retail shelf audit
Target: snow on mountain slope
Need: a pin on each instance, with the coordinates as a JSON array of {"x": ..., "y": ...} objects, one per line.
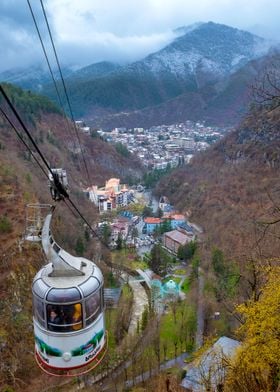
[{"x": 208, "y": 47}]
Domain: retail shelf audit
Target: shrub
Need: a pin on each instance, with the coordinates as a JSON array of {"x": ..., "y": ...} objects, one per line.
[{"x": 5, "y": 225}]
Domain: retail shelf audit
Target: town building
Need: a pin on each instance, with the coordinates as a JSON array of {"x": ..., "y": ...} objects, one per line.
[
  {"x": 172, "y": 240},
  {"x": 163, "y": 203},
  {"x": 151, "y": 224},
  {"x": 110, "y": 197},
  {"x": 120, "y": 227},
  {"x": 175, "y": 219},
  {"x": 209, "y": 372}
]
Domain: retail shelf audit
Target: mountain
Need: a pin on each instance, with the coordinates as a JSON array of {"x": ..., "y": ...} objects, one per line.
[
  {"x": 189, "y": 69},
  {"x": 32, "y": 78},
  {"x": 95, "y": 70},
  {"x": 35, "y": 78},
  {"x": 204, "y": 53},
  {"x": 59, "y": 142},
  {"x": 223, "y": 103},
  {"x": 187, "y": 79},
  {"x": 232, "y": 192}
]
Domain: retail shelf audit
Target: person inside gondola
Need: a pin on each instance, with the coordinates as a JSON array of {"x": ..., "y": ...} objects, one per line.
[
  {"x": 54, "y": 320},
  {"x": 77, "y": 317}
]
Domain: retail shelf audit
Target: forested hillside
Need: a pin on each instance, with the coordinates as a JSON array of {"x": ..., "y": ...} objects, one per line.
[
  {"x": 232, "y": 187},
  {"x": 23, "y": 182},
  {"x": 232, "y": 191}
]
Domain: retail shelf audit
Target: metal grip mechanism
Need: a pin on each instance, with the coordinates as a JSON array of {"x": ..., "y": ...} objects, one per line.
[{"x": 58, "y": 184}]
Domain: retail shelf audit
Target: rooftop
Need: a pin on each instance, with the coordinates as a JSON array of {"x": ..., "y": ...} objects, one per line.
[
  {"x": 151, "y": 220},
  {"x": 178, "y": 217},
  {"x": 210, "y": 365},
  {"x": 177, "y": 236}
]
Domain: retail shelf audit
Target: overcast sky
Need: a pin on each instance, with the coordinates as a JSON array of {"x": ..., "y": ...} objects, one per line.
[{"x": 88, "y": 31}]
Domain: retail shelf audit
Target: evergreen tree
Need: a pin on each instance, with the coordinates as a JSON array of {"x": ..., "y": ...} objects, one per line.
[
  {"x": 119, "y": 241},
  {"x": 144, "y": 318},
  {"x": 159, "y": 213},
  {"x": 80, "y": 247},
  {"x": 147, "y": 211},
  {"x": 160, "y": 261},
  {"x": 186, "y": 252},
  {"x": 218, "y": 262},
  {"x": 87, "y": 235},
  {"x": 106, "y": 233},
  {"x": 165, "y": 226},
  {"x": 227, "y": 275}
]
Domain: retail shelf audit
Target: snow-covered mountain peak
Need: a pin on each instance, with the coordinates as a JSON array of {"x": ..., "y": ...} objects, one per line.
[{"x": 210, "y": 48}]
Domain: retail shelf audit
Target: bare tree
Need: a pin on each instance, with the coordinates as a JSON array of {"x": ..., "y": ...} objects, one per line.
[{"x": 266, "y": 89}]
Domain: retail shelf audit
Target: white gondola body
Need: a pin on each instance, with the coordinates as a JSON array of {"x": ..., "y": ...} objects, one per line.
[
  {"x": 56, "y": 350},
  {"x": 68, "y": 308}
]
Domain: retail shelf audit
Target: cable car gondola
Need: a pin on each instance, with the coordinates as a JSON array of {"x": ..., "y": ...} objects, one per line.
[{"x": 68, "y": 311}]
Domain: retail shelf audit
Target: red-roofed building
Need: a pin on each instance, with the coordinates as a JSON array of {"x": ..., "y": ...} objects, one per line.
[
  {"x": 179, "y": 217},
  {"x": 120, "y": 226},
  {"x": 151, "y": 223},
  {"x": 175, "y": 219}
]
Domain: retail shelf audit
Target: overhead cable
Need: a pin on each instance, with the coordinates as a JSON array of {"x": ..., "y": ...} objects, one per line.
[
  {"x": 23, "y": 141},
  {"x": 59, "y": 186},
  {"x": 24, "y": 128},
  {"x": 57, "y": 183},
  {"x": 65, "y": 90},
  {"x": 49, "y": 65}
]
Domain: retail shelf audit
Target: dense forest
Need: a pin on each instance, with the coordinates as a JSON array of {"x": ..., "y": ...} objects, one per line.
[{"x": 232, "y": 191}]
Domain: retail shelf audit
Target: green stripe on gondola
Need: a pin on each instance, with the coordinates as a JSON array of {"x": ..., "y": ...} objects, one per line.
[
  {"x": 85, "y": 347},
  {"x": 82, "y": 350},
  {"x": 46, "y": 349}
]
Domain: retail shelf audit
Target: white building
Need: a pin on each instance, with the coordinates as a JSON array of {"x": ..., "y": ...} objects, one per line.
[{"x": 110, "y": 197}]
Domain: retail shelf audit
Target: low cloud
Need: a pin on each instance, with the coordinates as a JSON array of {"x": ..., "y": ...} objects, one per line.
[
  {"x": 120, "y": 31},
  {"x": 109, "y": 47}
]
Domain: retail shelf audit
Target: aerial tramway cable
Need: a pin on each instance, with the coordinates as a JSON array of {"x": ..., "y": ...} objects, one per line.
[
  {"x": 57, "y": 183},
  {"x": 59, "y": 186},
  {"x": 75, "y": 341},
  {"x": 68, "y": 296},
  {"x": 68, "y": 122},
  {"x": 23, "y": 141},
  {"x": 50, "y": 68},
  {"x": 65, "y": 90},
  {"x": 24, "y": 128}
]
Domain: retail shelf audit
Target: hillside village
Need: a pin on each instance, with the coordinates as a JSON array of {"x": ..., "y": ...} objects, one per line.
[
  {"x": 163, "y": 223},
  {"x": 163, "y": 145},
  {"x": 160, "y": 268}
]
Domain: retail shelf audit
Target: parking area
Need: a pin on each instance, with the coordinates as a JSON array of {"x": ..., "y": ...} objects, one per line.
[{"x": 144, "y": 244}]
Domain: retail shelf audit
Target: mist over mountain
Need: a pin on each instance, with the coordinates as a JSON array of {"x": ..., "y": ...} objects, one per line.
[
  {"x": 187, "y": 79},
  {"x": 32, "y": 78},
  {"x": 194, "y": 68}
]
